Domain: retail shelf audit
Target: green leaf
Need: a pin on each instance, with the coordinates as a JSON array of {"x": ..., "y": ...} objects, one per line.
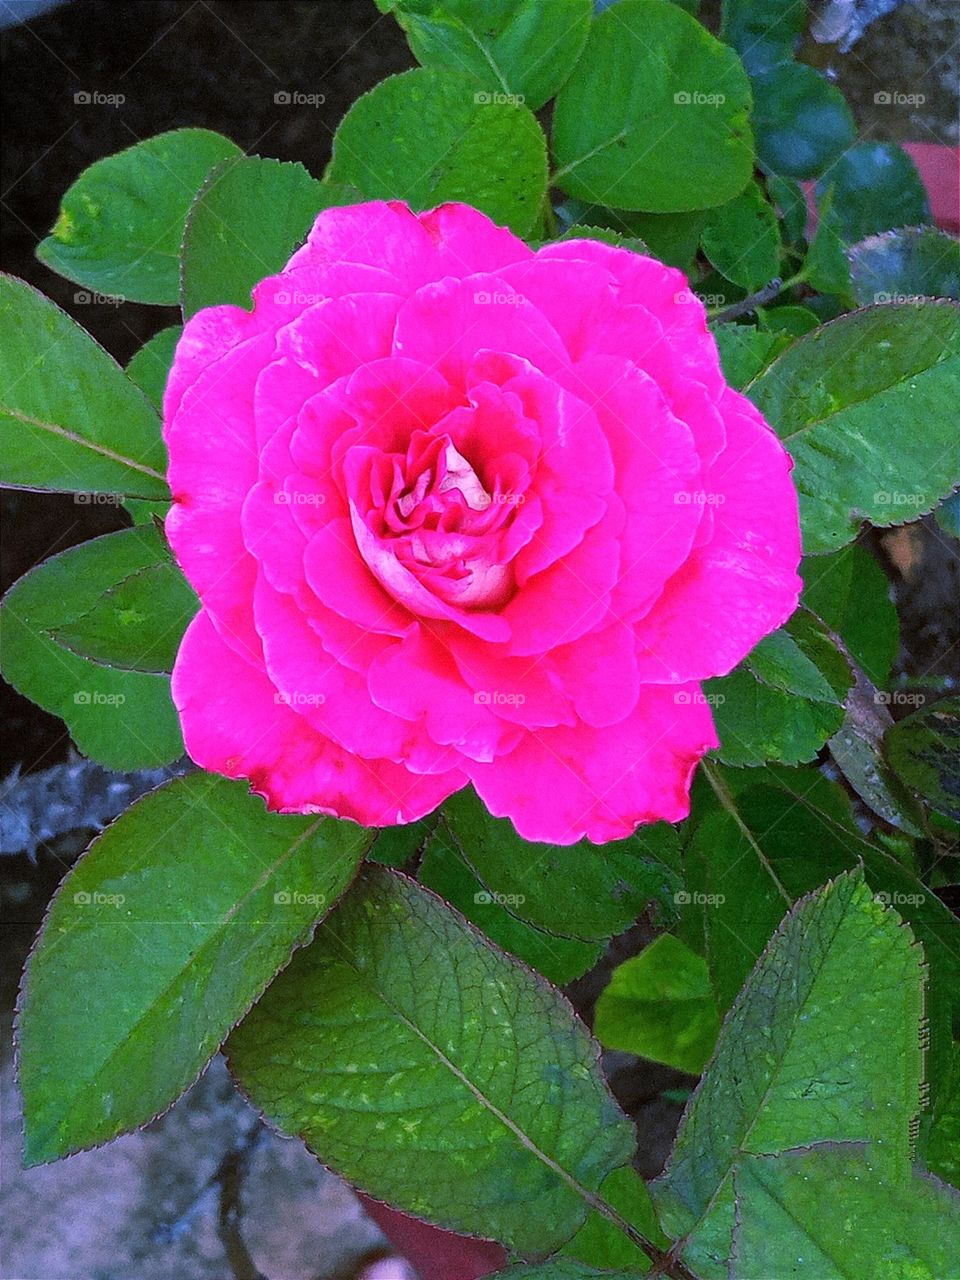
[
  {"x": 742, "y": 239},
  {"x": 924, "y": 750},
  {"x": 654, "y": 116},
  {"x": 602, "y": 1243},
  {"x": 826, "y": 267},
  {"x": 766, "y": 843},
  {"x": 745, "y": 351},
  {"x": 802, "y": 122},
  {"x": 137, "y": 624},
  {"x": 784, "y": 700},
  {"x": 401, "y": 1044},
  {"x": 159, "y": 940},
  {"x": 121, "y": 223},
  {"x": 827, "y": 1213},
  {"x": 247, "y": 219},
  {"x": 846, "y": 401},
  {"x": 823, "y": 1045},
  {"x": 764, "y": 32},
  {"x": 791, "y": 320},
  {"x": 791, "y": 202},
  {"x": 659, "y": 1004},
  {"x": 396, "y": 846},
  {"x": 431, "y": 136},
  {"x": 851, "y": 594},
  {"x": 606, "y": 236},
  {"x": 939, "y": 1139},
  {"x": 519, "y": 47},
  {"x": 149, "y": 367},
  {"x": 69, "y": 419},
  {"x": 124, "y": 719},
  {"x": 916, "y": 262},
  {"x": 584, "y": 891},
  {"x": 673, "y": 238},
  {"x": 559, "y": 959},
  {"x": 875, "y": 186},
  {"x": 856, "y": 749}
]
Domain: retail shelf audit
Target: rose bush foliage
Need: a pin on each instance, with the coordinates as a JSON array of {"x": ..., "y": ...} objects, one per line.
[
  {"x": 453, "y": 511},
  {"x": 459, "y": 510}
]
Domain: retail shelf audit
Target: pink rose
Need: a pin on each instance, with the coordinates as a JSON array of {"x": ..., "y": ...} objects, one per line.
[{"x": 461, "y": 512}]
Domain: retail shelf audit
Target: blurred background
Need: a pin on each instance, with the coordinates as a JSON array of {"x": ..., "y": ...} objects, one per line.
[{"x": 205, "y": 1193}]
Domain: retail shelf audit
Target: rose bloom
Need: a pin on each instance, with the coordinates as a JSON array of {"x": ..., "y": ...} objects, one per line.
[{"x": 458, "y": 511}]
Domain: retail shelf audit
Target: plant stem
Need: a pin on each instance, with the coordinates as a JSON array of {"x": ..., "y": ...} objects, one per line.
[{"x": 768, "y": 293}]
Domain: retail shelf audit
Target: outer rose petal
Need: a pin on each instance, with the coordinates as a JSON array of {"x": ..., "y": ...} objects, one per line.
[
  {"x": 450, "y": 240},
  {"x": 561, "y": 785},
  {"x": 213, "y": 466},
  {"x": 741, "y": 584},
  {"x": 233, "y": 725}
]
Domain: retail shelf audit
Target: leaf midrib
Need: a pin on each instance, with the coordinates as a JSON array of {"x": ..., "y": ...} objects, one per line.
[
  {"x": 56, "y": 429},
  {"x": 946, "y": 362},
  {"x": 181, "y": 975}
]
